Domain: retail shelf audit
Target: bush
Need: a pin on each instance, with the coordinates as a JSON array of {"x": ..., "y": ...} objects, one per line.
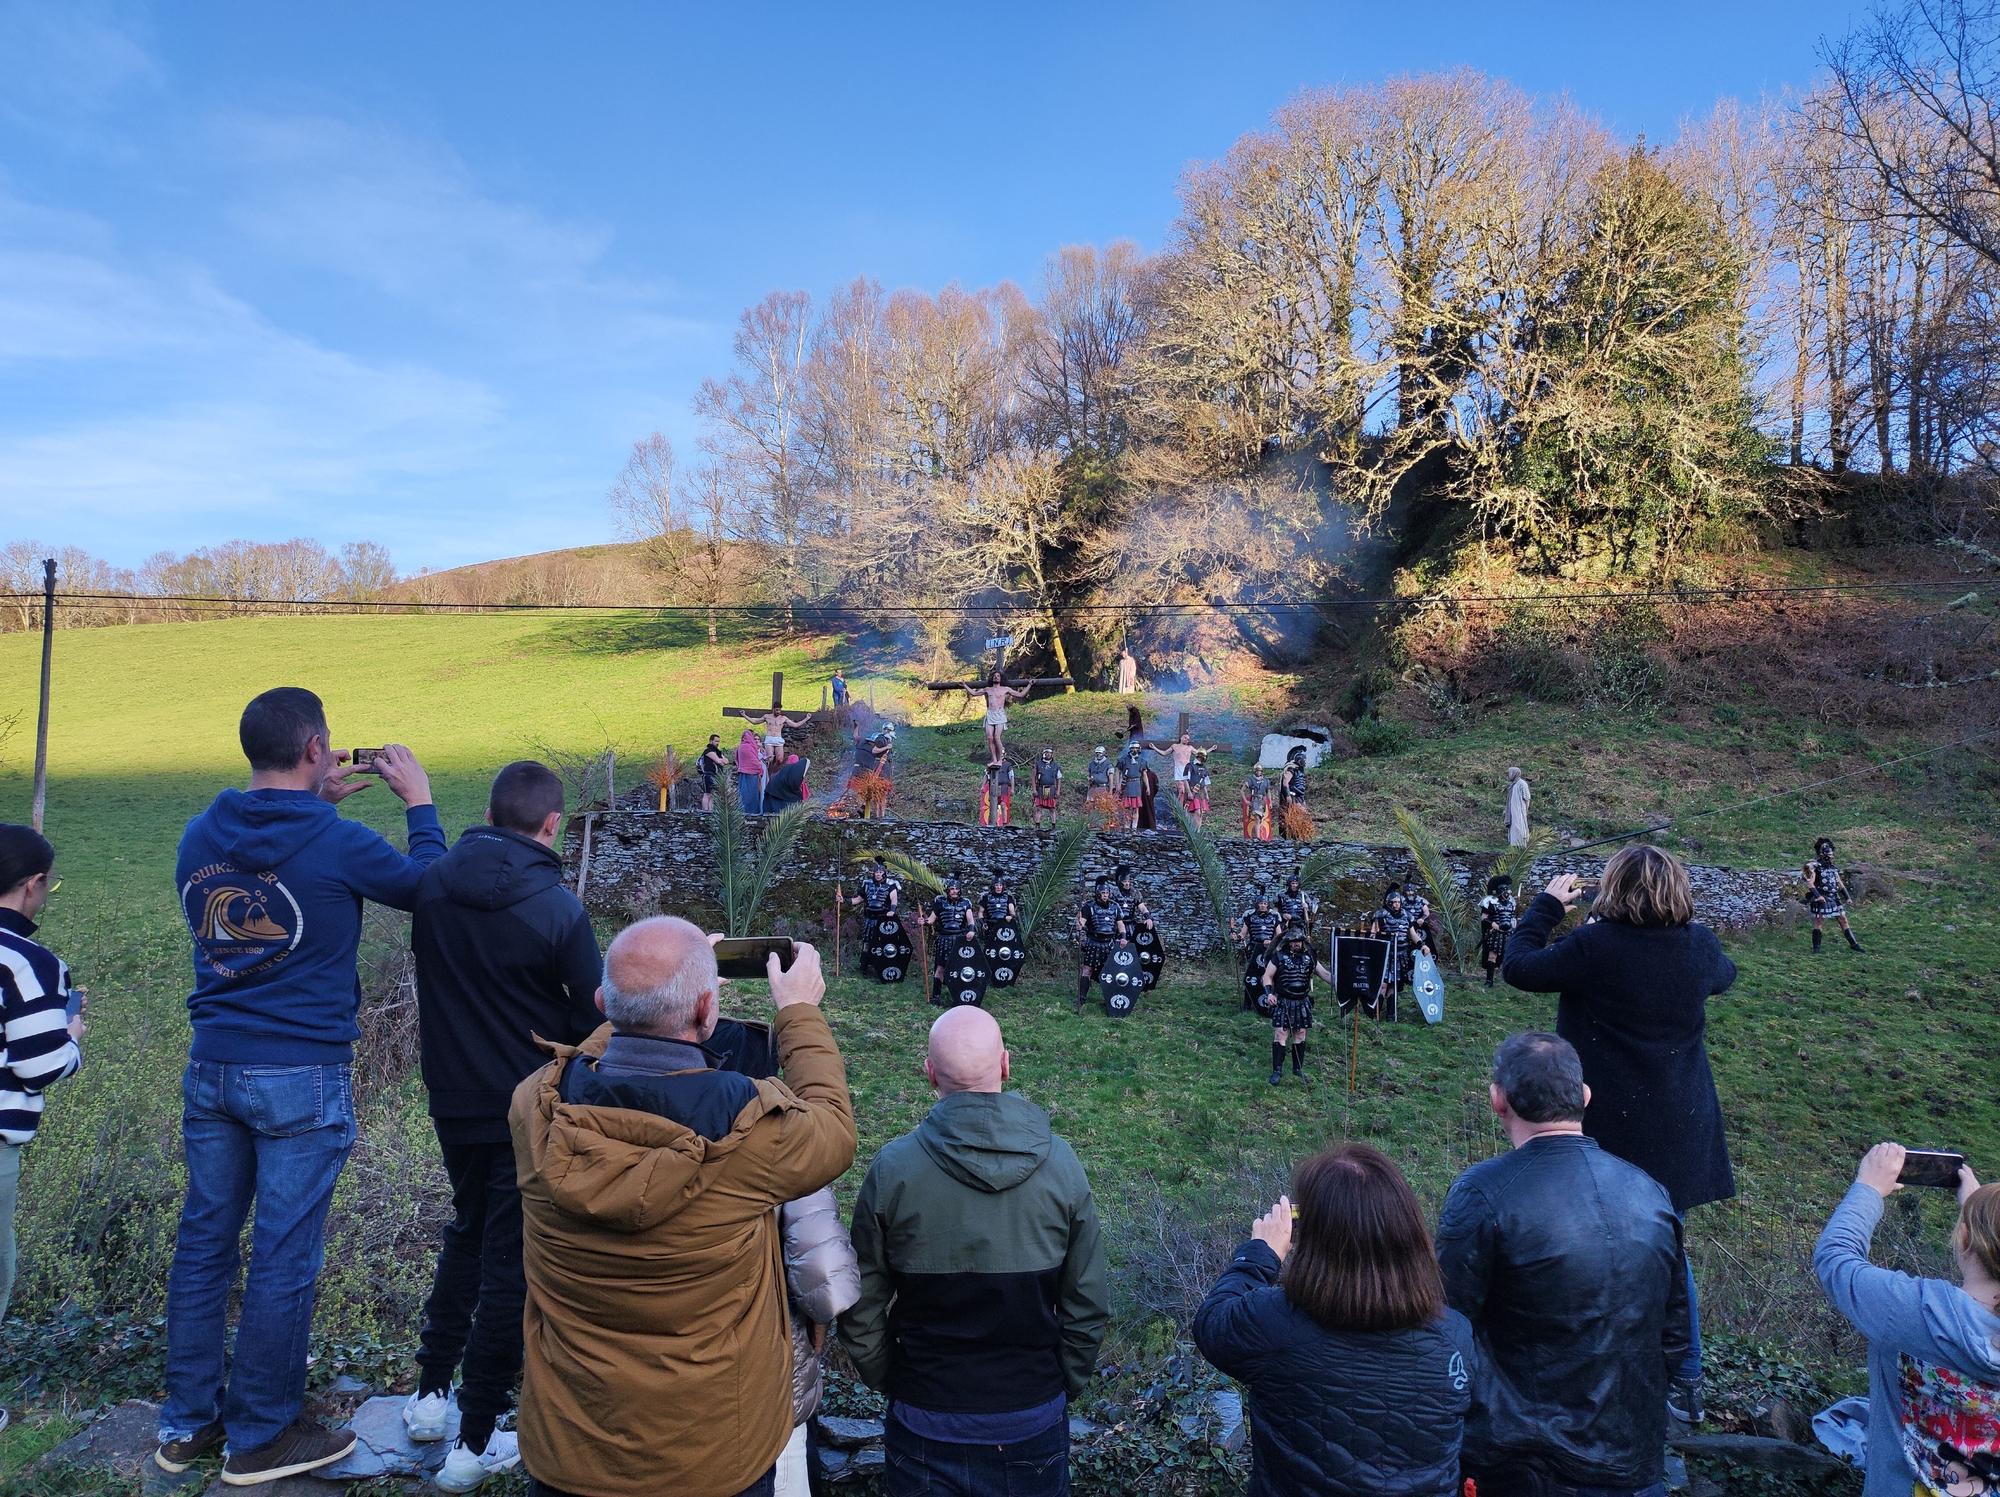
[{"x": 1378, "y": 737}]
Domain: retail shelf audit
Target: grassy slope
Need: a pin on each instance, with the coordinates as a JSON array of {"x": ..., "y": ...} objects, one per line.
[{"x": 1816, "y": 1056}]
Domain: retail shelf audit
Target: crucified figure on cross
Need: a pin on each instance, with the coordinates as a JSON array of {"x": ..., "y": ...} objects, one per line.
[
  {"x": 997, "y": 694},
  {"x": 774, "y": 720}
]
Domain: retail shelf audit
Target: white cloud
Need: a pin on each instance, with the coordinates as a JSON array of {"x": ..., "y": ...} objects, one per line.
[
  {"x": 407, "y": 217},
  {"x": 62, "y": 65},
  {"x": 424, "y": 361}
]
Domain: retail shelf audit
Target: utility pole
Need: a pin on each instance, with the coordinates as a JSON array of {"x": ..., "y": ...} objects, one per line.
[{"x": 48, "y": 657}]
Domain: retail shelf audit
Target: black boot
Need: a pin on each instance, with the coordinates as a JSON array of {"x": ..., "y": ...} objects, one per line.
[
  {"x": 1489, "y": 977},
  {"x": 1850, "y": 939},
  {"x": 1818, "y": 936},
  {"x": 1277, "y": 1062},
  {"x": 1299, "y": 1058}
]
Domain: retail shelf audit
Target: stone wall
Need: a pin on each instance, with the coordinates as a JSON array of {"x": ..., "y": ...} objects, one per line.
[{"x": 645, "y": 861}]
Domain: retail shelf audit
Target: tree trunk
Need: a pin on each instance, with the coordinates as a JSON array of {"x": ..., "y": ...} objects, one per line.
[{"x": 1056, "y": 647}]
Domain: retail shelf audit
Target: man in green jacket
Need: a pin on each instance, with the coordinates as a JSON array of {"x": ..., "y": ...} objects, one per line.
[{"x": 983, "y": 1299}]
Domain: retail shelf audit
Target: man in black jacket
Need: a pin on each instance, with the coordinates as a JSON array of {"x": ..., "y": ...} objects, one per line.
[
  {"x": 504, "y": 953},
  {"x": 1568, "y": 1262}
]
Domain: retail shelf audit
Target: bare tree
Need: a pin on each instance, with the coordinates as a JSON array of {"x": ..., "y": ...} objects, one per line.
[
  {"x": 1940, "y": 58},
  {"x": 755, "y": 419}
]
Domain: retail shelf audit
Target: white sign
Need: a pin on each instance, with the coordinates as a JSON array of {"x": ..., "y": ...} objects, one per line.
[{"x": 1004, "y": 642}]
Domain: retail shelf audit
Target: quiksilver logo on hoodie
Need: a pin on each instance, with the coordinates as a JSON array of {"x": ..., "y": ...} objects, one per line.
[{"x": 242, "y": 923}]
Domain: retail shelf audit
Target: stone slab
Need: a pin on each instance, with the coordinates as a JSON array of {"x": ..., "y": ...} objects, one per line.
[
  {"x": 121, "y": 1440},
  {"x": 383, "y": 1447}
]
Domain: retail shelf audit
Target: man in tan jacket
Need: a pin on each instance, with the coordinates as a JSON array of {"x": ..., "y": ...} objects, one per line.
[{"x": 658, "y": 1349}]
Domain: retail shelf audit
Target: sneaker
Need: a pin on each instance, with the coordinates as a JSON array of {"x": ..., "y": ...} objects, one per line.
[
  {"x": 1684, "y": 1401},
  {"x": 175, "y": 1456},
  {"x": 427, "y": 1418},
  {"x": 1277, "y": 1077},
  {"x": 304, "y": 1446},
  {"x": 462, "y": 1471}
]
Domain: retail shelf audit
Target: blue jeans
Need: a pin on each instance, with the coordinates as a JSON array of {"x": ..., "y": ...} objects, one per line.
[
  {"x": 1034, "y": 1467},
  {"x": 275, "y": 1136}
]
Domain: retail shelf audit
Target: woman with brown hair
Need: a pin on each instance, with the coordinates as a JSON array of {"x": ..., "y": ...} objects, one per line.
[
  {"x": 1634, "y": 986},
  {"x": 1333, "y": 1318}
]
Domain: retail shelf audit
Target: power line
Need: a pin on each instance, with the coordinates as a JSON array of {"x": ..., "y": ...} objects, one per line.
[{"x": 214, "y": 604}]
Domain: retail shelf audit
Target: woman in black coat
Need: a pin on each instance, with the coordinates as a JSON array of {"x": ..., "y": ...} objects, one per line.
[
  {"x": 1359, "y": 1377},
  {"x": 1635, "y": 984}
]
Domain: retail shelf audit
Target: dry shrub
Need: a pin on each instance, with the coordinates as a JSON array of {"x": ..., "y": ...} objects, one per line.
[
  {"x": 1100, "y": 808},
  {"x": 1296, "y": 824},
  {"x": 870, "y": 789}
]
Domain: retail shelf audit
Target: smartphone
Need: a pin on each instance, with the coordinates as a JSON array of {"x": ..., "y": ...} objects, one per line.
[
  {"x": 1937, "y": 1167},
  {"x": 749, "y": 956},
  {"x": 364, "y": 761}
]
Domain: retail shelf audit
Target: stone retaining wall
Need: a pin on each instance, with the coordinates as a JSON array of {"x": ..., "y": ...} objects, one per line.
[{"x": 645, "y": 861}]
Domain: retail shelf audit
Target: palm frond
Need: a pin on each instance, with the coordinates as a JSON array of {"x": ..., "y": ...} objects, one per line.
[
  {"x": 914, "y": 870},
  {"x": 1456, "y": 920},
  {"x": 780, "y": 832},
  {"x": 1045, "y": 891},
  {"x": 1322, "y": 866},
  {"x": 731, "y": 844},
  {"x": 1214, "y": 878},
  {"x": 1516, "y": 861}
]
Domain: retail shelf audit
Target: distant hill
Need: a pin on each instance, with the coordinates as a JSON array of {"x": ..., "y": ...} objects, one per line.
[{"x": 582, "y": 574}]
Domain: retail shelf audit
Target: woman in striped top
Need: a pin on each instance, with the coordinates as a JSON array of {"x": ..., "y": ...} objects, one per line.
[{"x": 41, "y": 1019}]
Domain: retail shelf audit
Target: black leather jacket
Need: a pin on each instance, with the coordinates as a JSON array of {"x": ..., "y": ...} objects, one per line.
[{"x": 1568, "y": 1262}]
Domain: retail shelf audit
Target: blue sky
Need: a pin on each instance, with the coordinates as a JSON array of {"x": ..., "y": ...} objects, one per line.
[{"x": 421, "y": 273}]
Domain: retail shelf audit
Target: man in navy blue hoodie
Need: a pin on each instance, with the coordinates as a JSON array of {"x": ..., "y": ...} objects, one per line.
[{"x": 271, "y": 881}]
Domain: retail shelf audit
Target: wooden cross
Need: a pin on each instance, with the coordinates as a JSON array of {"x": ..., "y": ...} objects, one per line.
[
  {"x": 758, "y": 713},
  {"x": 1017, "y": 685}
]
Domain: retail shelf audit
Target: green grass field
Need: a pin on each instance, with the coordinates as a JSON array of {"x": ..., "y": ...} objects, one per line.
[{"x": 1816, "y": 1056}]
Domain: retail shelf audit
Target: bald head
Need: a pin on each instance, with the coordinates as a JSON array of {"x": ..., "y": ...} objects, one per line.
[
  {"x": 966, "y": 1054},
  {"x": 660, "y": 979}
]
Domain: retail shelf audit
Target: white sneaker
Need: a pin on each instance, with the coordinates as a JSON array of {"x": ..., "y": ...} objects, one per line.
[
  {"x": 462, "y": 1470},
  {"x": 427, "y": 1418}
]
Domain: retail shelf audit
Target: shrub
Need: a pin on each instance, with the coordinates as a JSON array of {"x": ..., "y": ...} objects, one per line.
[{"x": 1378, "y": 737}]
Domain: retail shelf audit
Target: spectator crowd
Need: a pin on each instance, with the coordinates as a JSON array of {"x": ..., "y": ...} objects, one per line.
[{"x": 644, "y": 1239}]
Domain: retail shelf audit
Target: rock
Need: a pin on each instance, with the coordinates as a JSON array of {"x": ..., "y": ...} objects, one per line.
[
  {"x": 153, "y": 1482},
  {"x": 1677, "y": 1473},
  {"x": 383, "y": 1447},
  {"x": 1759, "y": 1451},
  {"x": 847, "y": 1434},
  {"x": 1778, "y": 1419},
  {"x": 1081, "y": 1428},
  {"x": 1276, "y": 747},
  {"x": 284, "y": 1486},
  {"x": 868, "y": 1462},
  {"x": 1227, "y": 1406},
  {"x": 347, "y": 1385},
  {"x": 832, "y": 1463},
  {"x": 122, "y": 1440}
]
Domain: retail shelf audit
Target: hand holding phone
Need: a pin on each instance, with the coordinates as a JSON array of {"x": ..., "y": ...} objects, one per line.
[
  {"x": 1938, "y": 1168},
  {"x": 749, "y": 956}
]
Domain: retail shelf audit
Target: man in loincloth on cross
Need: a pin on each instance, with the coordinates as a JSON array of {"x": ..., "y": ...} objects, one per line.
[
  {"x": 997, "y": 694},
  {"x": 775, "y": 723}
]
